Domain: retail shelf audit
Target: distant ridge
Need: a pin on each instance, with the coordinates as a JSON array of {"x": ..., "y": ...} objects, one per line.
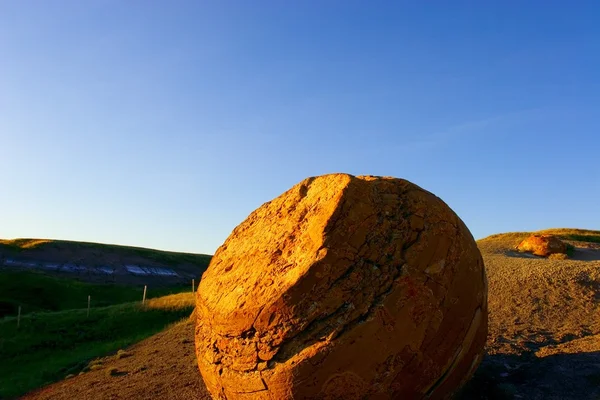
[
  {"x": 581, "y": 235},
  {"x": 98, "y": 262}
]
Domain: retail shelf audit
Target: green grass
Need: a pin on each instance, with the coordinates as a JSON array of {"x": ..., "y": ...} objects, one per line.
[
  {"x": 49, "y": 346},
  {"x": 582, "y": 235},
  {"x": 166, "y": 257},
  {"x": 36, "y": 292},
  {"x": 582, "y": 238}
]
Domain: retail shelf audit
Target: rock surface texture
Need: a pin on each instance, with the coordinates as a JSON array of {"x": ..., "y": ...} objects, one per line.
[
  {"x": 542, "y": 245},
  {"x": 343, "y": 287}
]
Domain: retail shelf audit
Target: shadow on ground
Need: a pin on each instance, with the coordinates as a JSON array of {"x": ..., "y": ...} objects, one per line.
[
  {"x": 586, "y": 254},
  {"x": 579, "y": 254},
  {"x": 560, "y": 376}
]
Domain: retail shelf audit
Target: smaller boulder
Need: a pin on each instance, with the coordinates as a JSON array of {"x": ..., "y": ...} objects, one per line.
[{"x": 542, "y": 245}]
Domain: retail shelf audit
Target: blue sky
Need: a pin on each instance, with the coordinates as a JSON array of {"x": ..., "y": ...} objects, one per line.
[{"x": 164, "y": 124}]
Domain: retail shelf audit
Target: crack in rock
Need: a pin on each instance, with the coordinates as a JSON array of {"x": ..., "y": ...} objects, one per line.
[{"x": 343, "y": 287}]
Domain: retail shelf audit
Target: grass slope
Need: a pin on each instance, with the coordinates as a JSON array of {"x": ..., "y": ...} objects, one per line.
[
  {"x": 581, "y": 235},
  {"x": 161, "y": 256},
  {"x": 49, "y": 346},
  {"x": 90, "y": 256},
  {"x": 36, "y": 292}
]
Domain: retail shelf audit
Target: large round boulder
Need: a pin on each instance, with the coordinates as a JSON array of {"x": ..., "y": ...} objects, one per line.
[
  {"x": 542, "y": 245},
  {"x": 343, "y": 287}
]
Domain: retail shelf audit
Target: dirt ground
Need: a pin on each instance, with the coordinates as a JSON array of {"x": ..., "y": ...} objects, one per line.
[
  {"x": 543, "y": 342},
  {"x": 544, "y": 325},
  {"x": 160, "y": 367}
]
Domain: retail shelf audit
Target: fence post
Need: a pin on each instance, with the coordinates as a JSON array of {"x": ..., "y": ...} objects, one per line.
[
  {"x": 144, "y": 296},
  {"x": 19, "y": 318},
  {"x": 193, "y": 287},
  {"x": 88, "y": 310}
]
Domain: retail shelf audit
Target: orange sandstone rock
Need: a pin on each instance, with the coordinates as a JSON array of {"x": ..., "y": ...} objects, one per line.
[
  {"x": 343, "y": 287},
  {"x": 542, "y": 245}
]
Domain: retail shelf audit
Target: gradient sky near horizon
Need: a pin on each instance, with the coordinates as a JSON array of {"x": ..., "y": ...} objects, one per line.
[{"x": 163, "y": 124}]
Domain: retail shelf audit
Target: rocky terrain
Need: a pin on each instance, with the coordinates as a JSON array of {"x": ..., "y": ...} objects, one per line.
[
  {"x": 543, "y": 341},
  {"x": 101, "y": 263}
]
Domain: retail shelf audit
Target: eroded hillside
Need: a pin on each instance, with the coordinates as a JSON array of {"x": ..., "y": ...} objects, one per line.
[{"x": 96, "y": 262}]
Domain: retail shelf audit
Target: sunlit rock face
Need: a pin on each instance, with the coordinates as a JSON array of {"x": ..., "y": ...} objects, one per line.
[
  {"x": 542, "y": 245},
  {"x": 343, "y": 287}
]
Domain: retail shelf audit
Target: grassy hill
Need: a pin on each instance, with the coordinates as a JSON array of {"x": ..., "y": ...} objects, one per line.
[
  {"x": 102, "y": 263},
  {"x": 38, "y": 246},
  {"x": 568, "y": 234}
]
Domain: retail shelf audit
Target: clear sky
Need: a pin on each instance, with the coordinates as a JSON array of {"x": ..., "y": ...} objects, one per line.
[{"x": 163, "y": 124}]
